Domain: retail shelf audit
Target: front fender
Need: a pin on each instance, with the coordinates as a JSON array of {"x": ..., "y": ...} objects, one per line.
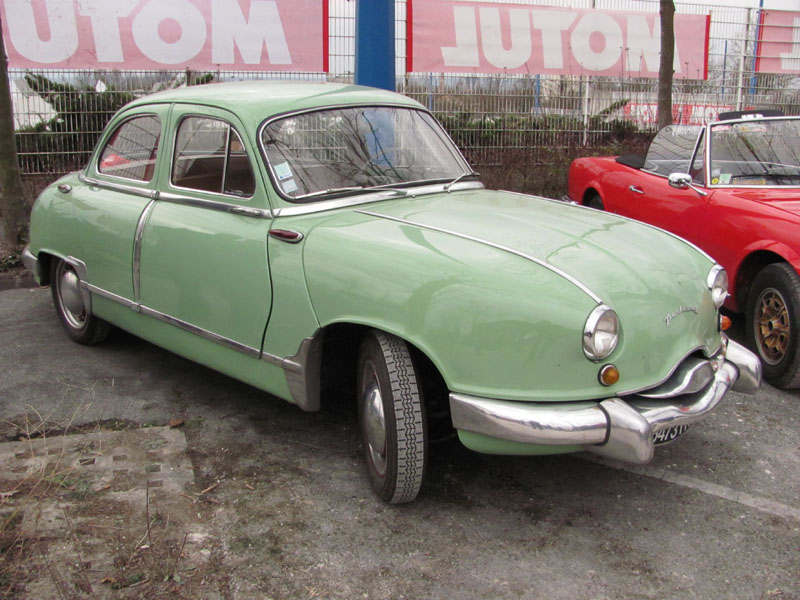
[{"x": 494, "y": 324}]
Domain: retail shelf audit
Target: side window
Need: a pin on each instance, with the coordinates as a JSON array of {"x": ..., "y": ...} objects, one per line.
[
  {"x": 671, "y": 150},
  {"x": 131, "y": 150},
  {"x": 210, "y": 156},
  {"x": 698, "y": 171}
]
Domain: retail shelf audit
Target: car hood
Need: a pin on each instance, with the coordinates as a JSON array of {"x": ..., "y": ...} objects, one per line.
[
  {"x": 609, "y": 257},
  {"x": 787, "y": 200},
  {"x": 495, "y": 288}
]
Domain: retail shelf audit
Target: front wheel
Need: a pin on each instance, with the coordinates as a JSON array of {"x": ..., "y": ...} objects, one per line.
[
  {"x": 594, "y": 201},
  {"x": 773, "y": 323},
  {"x": 78, "y": 321},
  {"x": 392, "y": 417}
]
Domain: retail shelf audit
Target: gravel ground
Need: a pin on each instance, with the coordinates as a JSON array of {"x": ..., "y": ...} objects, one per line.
[{"x": 715, "y": 515}]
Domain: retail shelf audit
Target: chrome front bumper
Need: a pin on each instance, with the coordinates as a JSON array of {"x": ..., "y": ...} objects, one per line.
[{"x": 618, "y": 428}]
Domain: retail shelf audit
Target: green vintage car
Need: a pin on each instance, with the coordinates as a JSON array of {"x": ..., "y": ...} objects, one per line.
[{"x": 308, "y": 237}]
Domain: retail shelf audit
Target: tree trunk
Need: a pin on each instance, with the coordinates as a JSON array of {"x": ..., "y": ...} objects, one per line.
[
  {"x": 13, "y": 197},
  {"x": 665, "y": 69}
]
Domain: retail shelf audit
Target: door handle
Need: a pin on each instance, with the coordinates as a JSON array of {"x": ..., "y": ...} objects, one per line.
[{"x": 635, "y": 190}]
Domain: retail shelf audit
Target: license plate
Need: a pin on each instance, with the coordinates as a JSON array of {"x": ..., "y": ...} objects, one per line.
[{"x": 665, "y": 436}]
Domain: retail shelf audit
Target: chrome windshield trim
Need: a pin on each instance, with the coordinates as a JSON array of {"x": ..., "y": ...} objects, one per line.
[
  {"x": 117, "y": 187},
  {"x": 533, "y": 259},
  {"x": 370, "y": 196},
  {"x": 137, "y": 249},
  {"x": 226, "y": 207}
]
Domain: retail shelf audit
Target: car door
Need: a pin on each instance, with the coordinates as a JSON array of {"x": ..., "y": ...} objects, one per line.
[
  {"x": 651, "y": 199},
  {"x": 646, "y": 194},
  {"x": 119, "y": 183},
  {"x": 203, "y": 264}
]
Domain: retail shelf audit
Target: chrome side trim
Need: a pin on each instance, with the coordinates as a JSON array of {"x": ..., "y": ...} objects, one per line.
[
  {"x": 226, "y": 207},
  {"x": 137, "y": 249},
  {"x": 118, "y": 187},
  {"x": 199, "y": 331},
  {"x": 83, "y": 277},
  {"x": 110, "y": 296},
  {"x": 533, "y": 259},
  {"x": 180, "y": 324},
  {"x": 303, "y": 372},
  {"x": 31, "y": 262},
  {"x": 368, "y": 198}
]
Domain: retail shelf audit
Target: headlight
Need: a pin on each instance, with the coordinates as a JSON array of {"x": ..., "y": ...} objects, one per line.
[
  {"x": 601, "y": 333},
  {"x": 718, "y": 284}
]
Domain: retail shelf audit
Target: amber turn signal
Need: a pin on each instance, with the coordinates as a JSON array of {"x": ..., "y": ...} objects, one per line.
[
  {"x": 724, "y": 322},
  {"x": 609, "y": 375}
]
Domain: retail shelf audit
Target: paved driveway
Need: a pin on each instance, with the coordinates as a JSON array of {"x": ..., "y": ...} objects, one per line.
[{"x": 716, "y": 515}]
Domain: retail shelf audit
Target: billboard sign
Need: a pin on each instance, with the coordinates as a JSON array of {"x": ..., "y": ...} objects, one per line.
[
  {"x": 276, "y": 35},
  {"x": 482, "y": 37}
]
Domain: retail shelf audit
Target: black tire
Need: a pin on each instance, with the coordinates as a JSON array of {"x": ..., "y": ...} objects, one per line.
[
  {"x": 773, "y": 323},
  {"x": 594, "y": 200},
  {"x": 392, "y": 418},
  {"x": 79, "y": 323}
]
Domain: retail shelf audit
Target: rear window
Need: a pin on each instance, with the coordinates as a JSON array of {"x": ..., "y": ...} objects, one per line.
[{"x": 131, "y": 150}]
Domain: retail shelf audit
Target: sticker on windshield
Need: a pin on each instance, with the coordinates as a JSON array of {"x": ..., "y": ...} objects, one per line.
[
  {"x": 283, "y": 171},
  {"x": 289, "y": 187},
  {"x": 725, "y": 178}
]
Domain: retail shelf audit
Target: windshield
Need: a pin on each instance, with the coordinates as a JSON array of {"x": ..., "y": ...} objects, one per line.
[
  {"x": 338, "y": 151},
  {"x": 758, "y": 152}
]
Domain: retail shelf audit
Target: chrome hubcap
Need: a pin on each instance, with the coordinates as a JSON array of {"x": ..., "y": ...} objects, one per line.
[
  {"x": 771, "y": 326},
  {"x": 69, "y": 294},
  {"x": 374, "y": 424}
]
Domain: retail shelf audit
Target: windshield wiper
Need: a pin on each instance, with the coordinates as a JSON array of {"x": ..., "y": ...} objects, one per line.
[
  {"x": 339, "y": 190},
  {"x": 459, "y": 178},
  {"x": 387, "y": 188}
]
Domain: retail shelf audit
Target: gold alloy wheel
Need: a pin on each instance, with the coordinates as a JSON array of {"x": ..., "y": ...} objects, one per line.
[{"x": 772, "y": 326}]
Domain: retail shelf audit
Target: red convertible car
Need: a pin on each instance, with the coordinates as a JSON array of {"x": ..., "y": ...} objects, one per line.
[{"x": 732, "y": 188}]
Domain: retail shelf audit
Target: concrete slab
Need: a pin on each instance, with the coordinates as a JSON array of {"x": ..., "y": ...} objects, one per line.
[{"x": 104, "y": 509}]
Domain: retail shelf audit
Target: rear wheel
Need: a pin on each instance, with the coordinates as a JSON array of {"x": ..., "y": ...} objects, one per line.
[
  {"x": 594, "y": 200},
  {"x": 392, "y": 418},
  {"x": 79, "y": 323},
  {"x": 773, "y": 323}
]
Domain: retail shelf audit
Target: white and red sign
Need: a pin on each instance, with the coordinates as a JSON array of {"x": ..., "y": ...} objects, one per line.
[
  {"x": 276, "y": 35},
  {"x": 483, "y": 37},
  {"x": 646, "y": 113},
  {"x": 779, "y": 42}
]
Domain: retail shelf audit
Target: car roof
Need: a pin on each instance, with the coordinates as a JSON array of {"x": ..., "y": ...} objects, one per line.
[{"x": 261, "y": 99}]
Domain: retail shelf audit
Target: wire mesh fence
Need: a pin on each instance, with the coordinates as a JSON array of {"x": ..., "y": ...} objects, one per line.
[{"x": 59, "y": 114}]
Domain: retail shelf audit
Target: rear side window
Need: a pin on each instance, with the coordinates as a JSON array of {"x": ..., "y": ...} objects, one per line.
[
  {"x": 210, "y": 157},
  {"x": 671, "y": 150},
  {"x": 131, "y": 150}
]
